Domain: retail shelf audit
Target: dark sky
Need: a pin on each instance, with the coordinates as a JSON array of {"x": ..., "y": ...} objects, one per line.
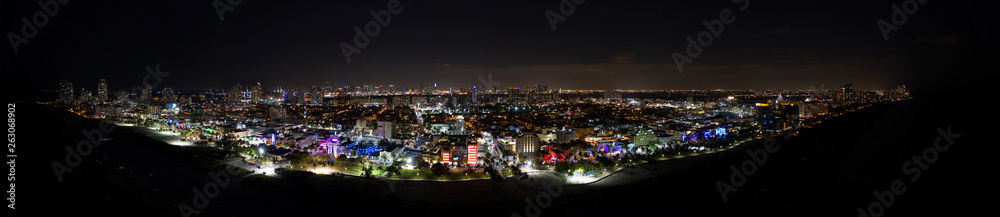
[{"x": 601, "y": 45}]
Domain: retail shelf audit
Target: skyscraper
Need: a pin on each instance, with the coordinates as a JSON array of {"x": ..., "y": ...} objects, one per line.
[
  {"x": 102, "y": 91},
  {"x": 168, "y": 95},
  {"x": 146, "y": 94},
  {"x": 85, "y": 96},
  {"x": 66, "y": 91},
  {"x": 235, "y": 95},
  {"x": 255, "y": 93},
  {"x": 847, "y": 93},
  {"x": 316, "y": 95}
]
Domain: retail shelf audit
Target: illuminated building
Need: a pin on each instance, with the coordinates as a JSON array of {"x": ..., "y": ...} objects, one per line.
[
  {"x": 472, "y": 147},
  {"x": 846, "y": 94},
  {"x": 168, "y": 95},
  {"x": 277, "y": 112},
  {"x": 255, "y": 93},
  {"x": 65, "y": 91},
  {"x": 315, "y": 95},
  {"x": 235, "y": 95},
  {"x": 85, "y": 96},
  {"x": 777, "y": 118},
  {"x": 384, "y": 129},
  {"x": 146, "y": 93},
  {"x": 445, "y": 156},
  {"x": 643, "y": 137},
  {"x": 565, "y": 136},
  {"x": 330, "y": 146},
  {"x": 102, "y": 91},
  {"x": 527, "y": 145},
  {"x": 812, "y": 110},
  {"x": 460, "y": 123}
]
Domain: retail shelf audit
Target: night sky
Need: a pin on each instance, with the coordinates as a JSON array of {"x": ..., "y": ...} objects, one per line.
[{"x": 601, "y": 45}]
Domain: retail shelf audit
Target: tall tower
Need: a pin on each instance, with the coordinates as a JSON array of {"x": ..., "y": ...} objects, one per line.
[
  {"x": 102, "y": 91},
  {"x": 316, "y": 95},
  {"x": 65, "y": 91},
  {"x": 85, "y": 96},
  {"x": 847, "y": 93},
  {"x": 255, "y": 93},
  {"x": 235, "y": 95},
  {"x": 168, "y": 95},
  {"x": 146, "y": 94}
]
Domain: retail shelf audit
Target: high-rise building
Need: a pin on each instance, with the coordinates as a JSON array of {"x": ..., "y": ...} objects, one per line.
[
  {"x": 65, "y": 91},
  {"x": 316, "y": 95},
  {"x": 847, "y": 93},
  {"x": 513, "y": 94},
  {"x": 235, "y": 95},
  {"x": 295, "y": 97},
  {"x": 147, "y": 93},
  {"x": 102, "y": 91},
  {"x": 85, "y": 96},
  {"x": 255, "y": 93},
  {"x": 168, "y": 95},
  {"x": 777, "y": 118}
]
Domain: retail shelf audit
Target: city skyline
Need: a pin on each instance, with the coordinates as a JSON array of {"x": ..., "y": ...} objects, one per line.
[
  {"x": 102, "y": 85},
  {"x": 497, "y": 108}
]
